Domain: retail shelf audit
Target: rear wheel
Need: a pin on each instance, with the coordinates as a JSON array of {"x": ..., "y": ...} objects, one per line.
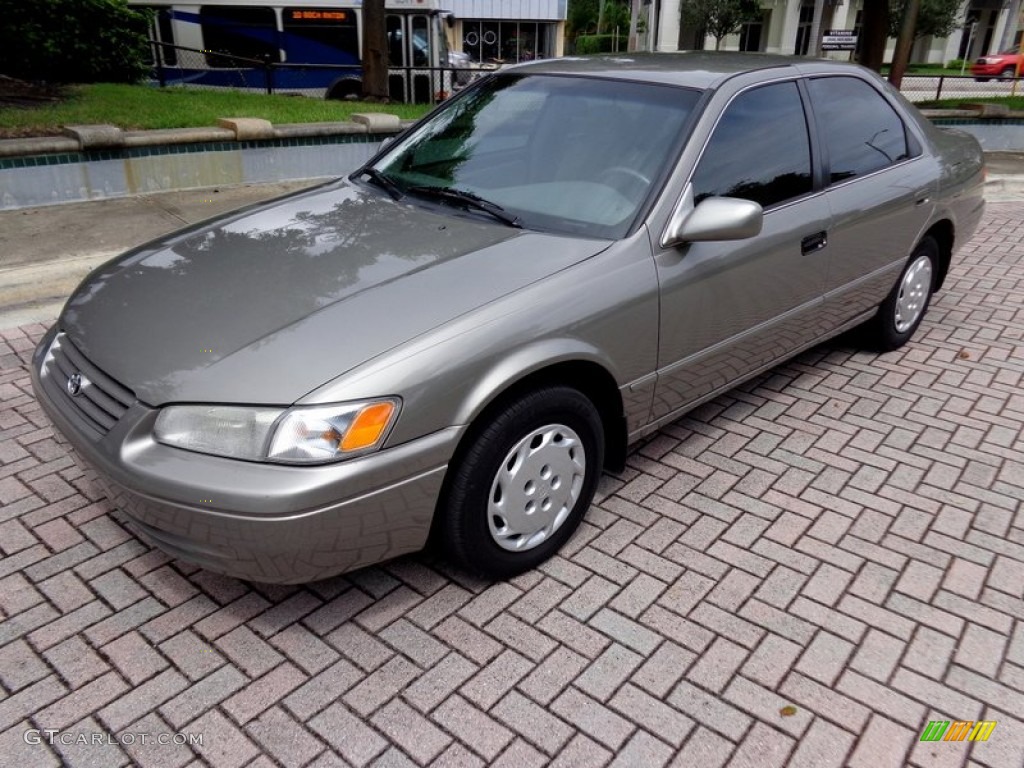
[
  {"x": 1008, "y": 73},
  {"x": 903, "y": 309},
  {"x": 518, "y": 492},
  {"x": 349, "y": 88}
]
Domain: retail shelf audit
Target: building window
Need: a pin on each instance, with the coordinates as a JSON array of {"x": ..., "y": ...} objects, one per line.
[
  {"x": 507, "y": 41},
  {"x": 803, "y": 30},
  {"x": 752, "y": 37}
]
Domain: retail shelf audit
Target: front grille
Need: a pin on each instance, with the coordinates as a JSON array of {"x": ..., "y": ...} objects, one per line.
[{"x": 100, "y": 402}]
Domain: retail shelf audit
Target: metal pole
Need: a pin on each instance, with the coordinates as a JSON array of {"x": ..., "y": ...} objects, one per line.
[
  {"x": 970, "y": 44},
  {"x": 634, "y": 12},
  {"x": 1016, "y": 75},
  {"x": 158, "y": 59}
]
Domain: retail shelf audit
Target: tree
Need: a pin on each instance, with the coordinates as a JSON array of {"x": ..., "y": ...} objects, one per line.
[
  {"x": 937, "y": 18},
  {"x": 73, "y": 41},
  {"x": 616, "y": 15},
  {"x": 719, "y": 18},
  {"x": 375, "y": 52},
  {"x": 911, "y": 19},
  {"x": 581, "y": 18},
  {"x": 874, "y": 32}
]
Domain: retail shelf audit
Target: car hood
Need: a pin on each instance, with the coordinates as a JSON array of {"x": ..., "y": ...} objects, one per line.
[{"x": 271, "y": 302}]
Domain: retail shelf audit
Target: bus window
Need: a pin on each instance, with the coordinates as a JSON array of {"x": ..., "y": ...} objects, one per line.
[
  {"x": 396, "y": 50},
  {"x": 320, "y": 35},
  {"x": 420, "y": 41},
  {"x": 240, "y": 31}
]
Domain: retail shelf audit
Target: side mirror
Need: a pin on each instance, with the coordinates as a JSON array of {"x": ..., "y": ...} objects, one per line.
[{"x": 715, "y": 218}]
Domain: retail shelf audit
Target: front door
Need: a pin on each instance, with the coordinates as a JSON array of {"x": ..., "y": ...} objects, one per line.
[{"x": 410, "y": 58}]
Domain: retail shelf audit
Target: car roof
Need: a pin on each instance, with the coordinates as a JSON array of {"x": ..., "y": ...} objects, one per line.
[{"x": 695, "y": 69}]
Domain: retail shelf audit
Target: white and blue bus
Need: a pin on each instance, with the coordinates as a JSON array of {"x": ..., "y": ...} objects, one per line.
[{"x": 311, "y": 47}]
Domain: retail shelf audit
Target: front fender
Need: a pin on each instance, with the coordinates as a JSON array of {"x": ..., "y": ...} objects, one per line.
[{"x": 603, "y": 311}]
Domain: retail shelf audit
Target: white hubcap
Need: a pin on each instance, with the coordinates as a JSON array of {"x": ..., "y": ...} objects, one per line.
[
  {"x": 914, "y": 290},
  {"x": 536, "y": 487}
]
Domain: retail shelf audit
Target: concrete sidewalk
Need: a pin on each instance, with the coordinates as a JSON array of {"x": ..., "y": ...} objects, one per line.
[{"x": 45, "y": 252}]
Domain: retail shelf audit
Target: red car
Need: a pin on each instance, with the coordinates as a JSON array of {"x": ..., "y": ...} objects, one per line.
[{"x": 1004, "y": 65}]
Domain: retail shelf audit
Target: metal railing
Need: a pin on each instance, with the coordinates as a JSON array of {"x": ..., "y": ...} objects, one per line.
[
  {"x": 175, "y": 65},
  {"x": 918, "y": 88}
]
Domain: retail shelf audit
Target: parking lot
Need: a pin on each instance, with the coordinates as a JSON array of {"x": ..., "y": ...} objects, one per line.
[{"x": 806, "y": 571}]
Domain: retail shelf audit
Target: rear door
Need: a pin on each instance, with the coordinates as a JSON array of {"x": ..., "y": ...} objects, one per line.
[
  {"x": 880, "y": 190},
  {"x": 732, "y": 308}
]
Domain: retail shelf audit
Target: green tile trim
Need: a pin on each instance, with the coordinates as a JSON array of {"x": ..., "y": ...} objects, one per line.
[{"x": 978, "y": 121}]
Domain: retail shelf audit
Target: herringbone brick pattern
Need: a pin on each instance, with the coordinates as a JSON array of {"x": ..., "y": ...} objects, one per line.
[{"x": 803, "y": 572}]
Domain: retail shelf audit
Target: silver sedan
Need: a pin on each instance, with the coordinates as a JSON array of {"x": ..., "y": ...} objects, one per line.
[{"x": 455, "y": 340}]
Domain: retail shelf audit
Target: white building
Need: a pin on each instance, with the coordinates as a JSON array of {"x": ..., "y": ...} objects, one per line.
[
  {"x": 785, "y": 27},
  {"x": 508, "y": 30}
]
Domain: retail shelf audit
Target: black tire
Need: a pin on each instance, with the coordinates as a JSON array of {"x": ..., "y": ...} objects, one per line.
[
  {"x": 465, "y": 529},
  {"x": 888, "y": 330},
  {"x": 349, "y": 88},
  {"x": 1008, "y": 73},
  {"x": 982, "y": 79}
]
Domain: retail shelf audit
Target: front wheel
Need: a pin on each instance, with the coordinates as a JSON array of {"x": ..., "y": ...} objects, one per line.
[
  {"x": 1008, "y": 73},
  {"x": 524, "y": 483},
  {"x": 903, "y": 309}
]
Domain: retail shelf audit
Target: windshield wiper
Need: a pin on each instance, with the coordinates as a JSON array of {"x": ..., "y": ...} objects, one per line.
[
  {"x": 469, "y": 200},
  {"x": 381, "y": 179}
]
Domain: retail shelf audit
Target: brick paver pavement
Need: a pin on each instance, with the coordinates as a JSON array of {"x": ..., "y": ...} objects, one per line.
[{"x": 805, "y": 572}]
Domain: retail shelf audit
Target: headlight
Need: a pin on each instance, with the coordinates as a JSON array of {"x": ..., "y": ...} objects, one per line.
[{"x": 300, "y": 435}]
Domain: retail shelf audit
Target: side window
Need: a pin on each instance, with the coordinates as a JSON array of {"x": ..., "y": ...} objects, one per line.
[
  {"x": 760, "y": 149},
  {"x": 247, "y": 32},
  {"x": 862, "y": 131},
  {"x": 320, "y": 35}
]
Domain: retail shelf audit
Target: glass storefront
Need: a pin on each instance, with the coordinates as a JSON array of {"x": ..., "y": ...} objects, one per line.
[{"x": 508, "y": 41}]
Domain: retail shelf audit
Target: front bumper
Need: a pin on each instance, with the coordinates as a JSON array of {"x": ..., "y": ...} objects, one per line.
[{"x": 260, "y": 522}]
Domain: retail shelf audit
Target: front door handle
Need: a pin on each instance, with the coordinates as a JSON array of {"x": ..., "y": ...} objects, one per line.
[{"x": 814, "y": 242}]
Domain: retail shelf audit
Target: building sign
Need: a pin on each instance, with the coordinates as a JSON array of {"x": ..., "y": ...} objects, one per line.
[{"x": 839, "y": 40}]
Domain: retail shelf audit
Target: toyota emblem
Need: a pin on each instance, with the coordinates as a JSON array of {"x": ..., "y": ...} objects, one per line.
[{"x": 76, "y": 382}]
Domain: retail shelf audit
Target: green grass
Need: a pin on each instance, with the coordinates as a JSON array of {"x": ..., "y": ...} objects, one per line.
[
  {"x": 137, "y": 107},
  {"x": 1015, "y": 103}
]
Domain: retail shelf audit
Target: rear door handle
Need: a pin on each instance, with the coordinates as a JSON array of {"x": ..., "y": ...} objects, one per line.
[{"x": 814, "y": 242}]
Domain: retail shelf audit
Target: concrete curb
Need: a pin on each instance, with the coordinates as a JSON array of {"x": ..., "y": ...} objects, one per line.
[{"x": 83, "y": 138}]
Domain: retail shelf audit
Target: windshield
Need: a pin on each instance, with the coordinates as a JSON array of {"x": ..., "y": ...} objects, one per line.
[{"x": 565, "y": 154}]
